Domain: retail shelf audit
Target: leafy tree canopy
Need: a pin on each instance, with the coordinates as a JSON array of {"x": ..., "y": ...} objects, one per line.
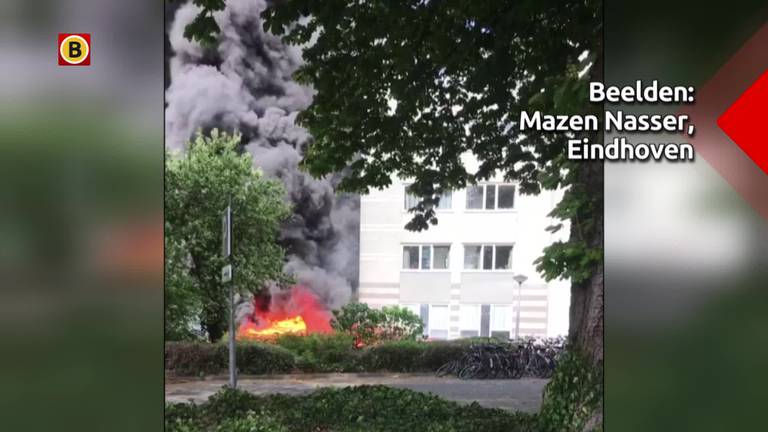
[
  {"x": 199, "y": 186},
  {"x": 409, "y": 87}
]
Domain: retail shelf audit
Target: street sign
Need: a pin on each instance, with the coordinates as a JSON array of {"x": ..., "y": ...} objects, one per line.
[
  {"x": 226, "y": 273},
  {"x": 226, "y": 236}
]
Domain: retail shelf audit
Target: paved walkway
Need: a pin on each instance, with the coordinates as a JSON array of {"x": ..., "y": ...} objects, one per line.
[{"x": 518, "y": 395}]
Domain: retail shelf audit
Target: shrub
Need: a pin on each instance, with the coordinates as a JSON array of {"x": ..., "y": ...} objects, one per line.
[
  {"x": 571, "y": 397},
  {"x": 371, "y": 326},
  {"x": 227, "y": 403},
  {"x": 186, "y": 359},
  {"x": 255, "y": 358},
  {"x": 198, "y": 359},
  {"x": 400, "y": 323},
  {"x": 359, "y": 320},
  {"x": 314, "y": 353},
  {"x": 483, "y": 340},
  {"x": 438, "y": 353},
  {"x": 369, "y": 408},
  {"x": 253, "y": 422},
  {"x": 320, "y": 352},
  {"x": 180, "y": 425},
  {"x": 397, "y": 356},
  {"x": 410, "y": 356},
  {"x": 181, "y": 418}
]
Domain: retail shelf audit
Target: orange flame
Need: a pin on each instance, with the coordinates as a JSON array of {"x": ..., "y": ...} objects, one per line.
[
  {"x": 295, "y": 325},
  {"x": 295, "y": 311}
]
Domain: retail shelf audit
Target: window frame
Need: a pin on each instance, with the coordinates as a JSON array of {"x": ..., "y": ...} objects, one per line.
[
  {"x": 481, "y": 263},
  {"x": 511, "y": 318},
  {"x": 478, "y": 324},
  {"x": 431, "y": 258},
  {"x": 495, "y": 208},
  {"x": 437, "y": 208}
]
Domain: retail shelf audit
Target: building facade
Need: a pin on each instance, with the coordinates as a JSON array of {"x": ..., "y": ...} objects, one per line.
[{"x": 459, "y": 275}]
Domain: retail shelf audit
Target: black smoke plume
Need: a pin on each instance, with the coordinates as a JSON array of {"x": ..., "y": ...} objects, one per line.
[{"x": 244, "y": 84}]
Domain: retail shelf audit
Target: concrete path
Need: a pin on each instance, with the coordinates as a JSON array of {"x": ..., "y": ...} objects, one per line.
[{"x": 517, "y": 395}]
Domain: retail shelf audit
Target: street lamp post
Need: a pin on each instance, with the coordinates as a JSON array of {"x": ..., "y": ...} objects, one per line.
[{"x": 519, "y": 278}]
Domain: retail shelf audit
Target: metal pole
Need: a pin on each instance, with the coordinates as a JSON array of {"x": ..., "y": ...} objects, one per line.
[
  {"x": 232, "y": 351},
  {"x": 517, "y": 322},
  {"x": 232, "y": 356}
]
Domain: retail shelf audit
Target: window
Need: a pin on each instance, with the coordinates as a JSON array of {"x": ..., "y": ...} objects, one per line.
[
  {"x": 488, "y": 257},
  {"x": 445, "y": 203},
  {"x": 472, "y": 257},
  {"x": 491, "y": 197},
  {"x": 426, "y": 257},
  {"x": 438, "y": 321},
  {"x": 410, "y": 257},
  {"x": 506, "y": 197},
  {"x": 441, "y": 256},
  {"x": 410, "y": 200},
  {"x": 503, "y": 259},
  {"x": 475, "y": 197},
  {"x": 470, "y": 320},
  {"x": 501, "y": 318}
]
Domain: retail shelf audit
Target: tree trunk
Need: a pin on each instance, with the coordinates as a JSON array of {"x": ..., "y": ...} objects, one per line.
[
  {"x": 586, "y": 317},
  {"x": 586, "y": 314}
]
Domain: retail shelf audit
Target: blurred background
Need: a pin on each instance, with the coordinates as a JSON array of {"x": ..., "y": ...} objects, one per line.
[
  {"x": 81, "y": 245},
  {"x": 686, "y": 251}
]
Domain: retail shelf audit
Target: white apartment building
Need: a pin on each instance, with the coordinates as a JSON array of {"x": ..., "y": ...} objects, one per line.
[{"x": 458, "y": 275}]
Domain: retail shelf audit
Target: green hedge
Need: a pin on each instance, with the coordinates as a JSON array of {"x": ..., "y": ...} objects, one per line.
[
  {"x": 197, "y": 359},
  {"x": 362, "y": 408},
  {"x": 321, "y": 353},
  {"x": 188, "y": 358},
  {"x": 314, "y": 353}
]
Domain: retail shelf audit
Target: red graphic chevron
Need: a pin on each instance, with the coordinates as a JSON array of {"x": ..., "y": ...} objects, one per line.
[
  {"x": 737, "y": 89},
  {"x": 746, "y": 122}
]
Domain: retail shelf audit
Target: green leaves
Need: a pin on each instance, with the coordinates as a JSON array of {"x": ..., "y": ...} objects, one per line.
[
  {"x": 459, "y": 74},
  {"x": 571, "y": 260},
  {"x": 408, "y": 88},
  {"x": 370, "y": 326},
  {"x": 204, "y": 28},
  {"x": 199, "y": 186},
  {"x": 572, "y": 395},
  {"x": 361, "y": 408}
]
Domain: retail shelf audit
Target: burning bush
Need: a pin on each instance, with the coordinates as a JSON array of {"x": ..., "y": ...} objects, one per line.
[
  {"x": 372, "y": 326},
  {"x": 299, "y": 312}
]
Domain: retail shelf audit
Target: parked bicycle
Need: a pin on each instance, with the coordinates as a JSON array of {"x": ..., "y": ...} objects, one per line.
[{"x": 529, "y": 357}]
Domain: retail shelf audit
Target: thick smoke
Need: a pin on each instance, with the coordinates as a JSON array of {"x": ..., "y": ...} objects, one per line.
[{"x": 245, "y": 84}]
